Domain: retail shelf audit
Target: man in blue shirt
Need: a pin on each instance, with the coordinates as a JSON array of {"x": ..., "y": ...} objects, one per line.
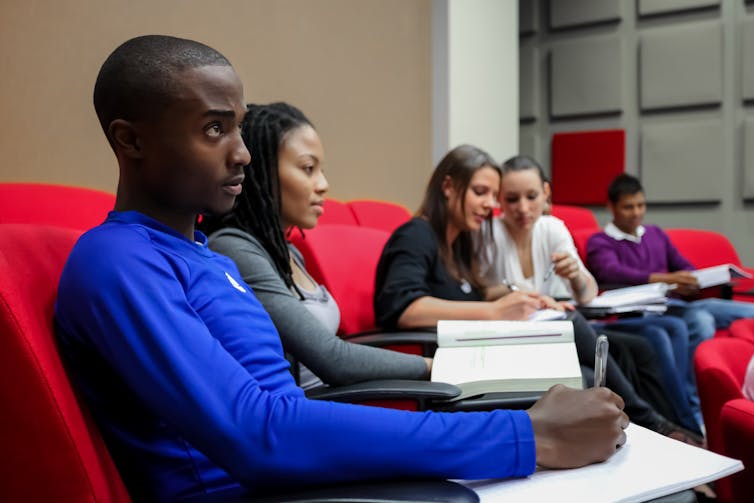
[{"x": 180, "y": 364}]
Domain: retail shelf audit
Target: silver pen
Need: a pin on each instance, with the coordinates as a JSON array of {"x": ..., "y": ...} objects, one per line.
[
  {"x": 549, "y": 272},
  {"x": 600, "y": 361}
]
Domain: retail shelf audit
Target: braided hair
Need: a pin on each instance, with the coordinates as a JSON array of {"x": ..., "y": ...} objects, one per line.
[{"x": 258, "y": 208}]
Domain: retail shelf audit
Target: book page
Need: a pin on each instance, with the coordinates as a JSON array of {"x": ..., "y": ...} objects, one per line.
[
  {"x": 648, "y": 466},
  {"x": 451, "y": 333},
  {"x": 540, "y": 363}
]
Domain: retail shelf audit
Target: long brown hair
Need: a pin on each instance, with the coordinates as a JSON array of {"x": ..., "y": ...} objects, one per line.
[{"x": 459, "y": 166}]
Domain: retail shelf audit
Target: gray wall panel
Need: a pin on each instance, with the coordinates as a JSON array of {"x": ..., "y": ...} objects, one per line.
[
  {"x": 529, "y": 144},
  {"x": 747, "y": 57},
  {"x": 649, "y": 7},
  {"x": 586, "y": 77},
  {"x": 680, "y": 162},
  {"x": 566, "y": 13},
  {"x": 747, "y": 164},
  {"x": 528, "y": 83},
  {"x": 681, "y": 66},
  {"x": 528, "y": 17}
]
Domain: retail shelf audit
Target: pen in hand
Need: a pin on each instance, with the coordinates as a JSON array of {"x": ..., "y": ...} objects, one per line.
[
  {"x": 549, "y": 272},
  {"x": 600, "y": 361}
]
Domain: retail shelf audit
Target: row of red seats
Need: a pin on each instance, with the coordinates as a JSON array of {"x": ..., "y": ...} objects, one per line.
[{"x": 343, "y": 256}]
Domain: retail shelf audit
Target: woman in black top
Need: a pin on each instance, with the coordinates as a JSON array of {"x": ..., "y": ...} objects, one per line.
[{"x": 429, "y": 270}]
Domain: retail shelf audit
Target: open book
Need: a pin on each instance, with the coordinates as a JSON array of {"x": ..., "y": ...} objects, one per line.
[
  {"x": 648, "y": 466},
  {"x": 500, "y": 356},
  {"x": 719, "y": 275},
  {"x": 651, "y": 297}
]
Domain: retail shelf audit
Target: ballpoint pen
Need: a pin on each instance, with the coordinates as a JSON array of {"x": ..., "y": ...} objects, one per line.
[
  {"x": 549, "y": 272},
  {"x": 600, "y": 361}
]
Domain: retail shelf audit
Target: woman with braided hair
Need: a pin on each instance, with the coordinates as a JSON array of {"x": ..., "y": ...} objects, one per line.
[{"x": 284, "y": 187}]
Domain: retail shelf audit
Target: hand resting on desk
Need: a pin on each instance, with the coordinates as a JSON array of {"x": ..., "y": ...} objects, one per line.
[{"x": 574, "y": 428}]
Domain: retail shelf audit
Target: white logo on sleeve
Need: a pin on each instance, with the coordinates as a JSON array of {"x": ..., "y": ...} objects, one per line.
[{"x": 235, "y": 283}]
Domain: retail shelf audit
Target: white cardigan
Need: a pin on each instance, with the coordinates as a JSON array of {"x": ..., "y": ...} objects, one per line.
[{"x": 549, "y": 235}]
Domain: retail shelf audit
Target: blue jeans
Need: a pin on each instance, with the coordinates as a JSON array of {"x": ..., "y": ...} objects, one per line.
[{"x": 669, "y": 339}]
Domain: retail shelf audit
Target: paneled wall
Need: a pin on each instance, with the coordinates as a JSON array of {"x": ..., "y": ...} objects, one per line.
[
  {"x": 360, "y": 70},
  {"x": 676, "y": 75}
]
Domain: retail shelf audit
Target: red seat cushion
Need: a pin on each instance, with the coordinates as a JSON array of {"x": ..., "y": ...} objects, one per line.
[
  {"x": 59, "y": 205},
  {"x": 584, "y": 163},
  {"x": 51, "y": 449}
]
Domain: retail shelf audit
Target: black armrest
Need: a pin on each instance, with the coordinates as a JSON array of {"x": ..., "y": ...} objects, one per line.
[
  {"x": 385, "y": 389},
  {"x": 363, "y": 492},
  {"x": 399, "y": 337},
  {"x": 424, "y": 337},
  {"x": 490, "y": 401}
]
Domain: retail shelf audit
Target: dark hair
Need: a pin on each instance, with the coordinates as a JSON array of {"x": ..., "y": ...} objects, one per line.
[
  {"x": 523, "y": 163},
  {"x": 459, "y": 165},
  {"x": 623, "y": 185},
  {"x": 140, "y": 75},
  {"x": 258, "y": 208}
]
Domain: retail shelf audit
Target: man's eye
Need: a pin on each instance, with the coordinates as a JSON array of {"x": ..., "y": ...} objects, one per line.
[
  {"x": 214, "y": 130},
  {"x": 308, "y": 170}
]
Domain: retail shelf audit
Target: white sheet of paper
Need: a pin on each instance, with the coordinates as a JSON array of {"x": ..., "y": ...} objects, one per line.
[{"x": 648, "y": 466}]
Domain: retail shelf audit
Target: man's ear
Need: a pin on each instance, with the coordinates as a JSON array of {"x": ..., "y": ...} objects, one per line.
[{"x": 124, "y": 138}]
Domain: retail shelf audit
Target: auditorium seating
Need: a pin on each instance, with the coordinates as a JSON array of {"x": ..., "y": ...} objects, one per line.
[
  {"x": 383, "y": 215},
  {"x": 720, "y": 365},
  {"x": 704, "y": 248},
  {"x": 52, "y": 448},
  {"x": 58, "y": 205}
]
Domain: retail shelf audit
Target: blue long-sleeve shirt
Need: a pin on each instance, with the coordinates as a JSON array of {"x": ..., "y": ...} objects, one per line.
[{"x": 185, "y": 374}]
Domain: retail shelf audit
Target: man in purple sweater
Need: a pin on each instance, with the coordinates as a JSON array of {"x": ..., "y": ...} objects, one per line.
[{"x": 629, "y": 253}]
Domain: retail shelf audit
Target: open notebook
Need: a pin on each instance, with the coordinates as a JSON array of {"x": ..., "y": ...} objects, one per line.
[
  {"x": 501, "y": 356},
  {"x": 648, "y": 466}
]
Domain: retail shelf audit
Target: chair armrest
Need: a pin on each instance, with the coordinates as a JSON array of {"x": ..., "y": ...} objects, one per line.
[
  {"x": 425, "y": 337},
  {"x": 385, "y": 389},
  {"x": 490, "y": 401},
  {"x": 364, "y": 492}
]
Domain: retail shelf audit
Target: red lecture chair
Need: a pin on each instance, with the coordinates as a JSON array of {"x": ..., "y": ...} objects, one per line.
[
  {"x": 383, "y": 215},
  {"x": 52, "y": 449},
  {"x": 575, "y": 217},
  {"x": 57, "y": 205},
  {"x": 337, "y": 212},
  {"x": 720, "y": 365},
  {"x": 705, "y": 248}
]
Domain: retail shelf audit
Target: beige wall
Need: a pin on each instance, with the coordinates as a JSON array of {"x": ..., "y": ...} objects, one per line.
[{"x": 359, "y": 69}]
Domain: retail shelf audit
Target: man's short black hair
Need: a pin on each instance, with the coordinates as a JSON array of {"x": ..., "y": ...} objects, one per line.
[
  {"x": 623, "y": 185},
  {"x": 140, "y": 74}
]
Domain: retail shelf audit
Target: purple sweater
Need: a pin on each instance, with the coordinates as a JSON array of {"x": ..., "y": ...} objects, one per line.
[{"x": 624, "y": 262}]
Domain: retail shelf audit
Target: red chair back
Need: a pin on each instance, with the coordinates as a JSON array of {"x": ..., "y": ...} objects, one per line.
[
  {"x": 720, "y": 365},
  {"x": 51, "y": 447},
  {"x": 704, "y": 248},
  {"x": 382, "y": 215},
  {"x": 58, "y": 205},
  {"x": 344, "y": 259},
  {"x": 737, "y": 420},
  {"x": 575, "y": 217},
  {"x": 336, "y": 212},
  {"x": 580, "y": 238}
]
